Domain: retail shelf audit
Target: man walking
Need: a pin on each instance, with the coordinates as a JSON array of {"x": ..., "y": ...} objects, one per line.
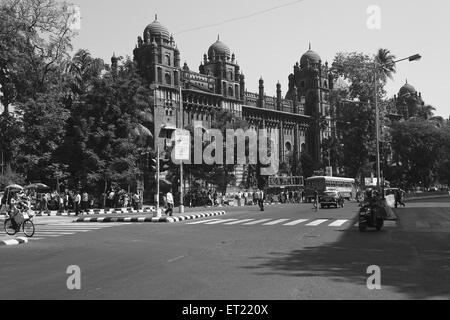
[
  {"x": 77, "y": 203},
  {"x": 169, "y": 199},
  {"x": 260, "y": 199},
  {"x": 85, "y": 202}
]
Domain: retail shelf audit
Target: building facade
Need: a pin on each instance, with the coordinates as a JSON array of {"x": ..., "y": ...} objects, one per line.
[{"x": 220, "y": 84}]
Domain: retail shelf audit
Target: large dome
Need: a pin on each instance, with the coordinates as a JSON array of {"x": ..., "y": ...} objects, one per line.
[
  {"x": 219, "y": 49},
  {"x": 407, "y": 90},
  {"x": 155, "y": 29},
  {"x": 310, "y": 56}
]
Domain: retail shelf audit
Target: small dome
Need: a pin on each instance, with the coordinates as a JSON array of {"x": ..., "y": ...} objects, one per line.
[
  {"x": 407, "y": 90},
  {"x": 219, "y": 49},
  {"x": 156, "y": 29},
  {"x": 310, "y": 56}
]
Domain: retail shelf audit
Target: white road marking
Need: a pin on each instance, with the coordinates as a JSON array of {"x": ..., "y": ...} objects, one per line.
[
  {"x": 256, "y": 222},
  {"x": 316, "y": 222},
  {"x": 204, "y": 221},
  {"x": 221, "y": 221},
  {"x": 338, "y": 223},
  {"x": 175, "y": 259},
  {"x": 272, "y": 223},
  {"x": 296, "y": 222},
  {"x": 238, "y": 222}
]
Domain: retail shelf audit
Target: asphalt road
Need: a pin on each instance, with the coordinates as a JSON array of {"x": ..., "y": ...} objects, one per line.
[{"x": 294, "y": 253}]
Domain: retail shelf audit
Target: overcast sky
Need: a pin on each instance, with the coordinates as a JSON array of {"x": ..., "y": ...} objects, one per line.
[{"x": 269, "y": 42}]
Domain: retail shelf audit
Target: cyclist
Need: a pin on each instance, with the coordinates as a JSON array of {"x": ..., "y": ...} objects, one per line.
[{"x": 19, "y": 204}]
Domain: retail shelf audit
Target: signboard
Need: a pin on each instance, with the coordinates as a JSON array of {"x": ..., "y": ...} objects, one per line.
[{"x": 182, "y": 144}]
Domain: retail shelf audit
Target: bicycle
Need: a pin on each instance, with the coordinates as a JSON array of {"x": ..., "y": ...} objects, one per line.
[{"x": 26, "y": 225}]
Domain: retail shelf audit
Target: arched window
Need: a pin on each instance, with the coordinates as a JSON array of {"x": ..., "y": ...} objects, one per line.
[
  {"x": 175, "y": 78},
  {"x": 231, "y": 76},
  {"x": 325, "y": 84},
  {"x": 168, "y": 79},
  {"x": 230, "y": 91},
  {"x": 167, "y": 59},
  {"x": 159, "y": 75}
]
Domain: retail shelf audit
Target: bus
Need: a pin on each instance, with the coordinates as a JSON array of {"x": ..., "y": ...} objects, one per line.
[{"x": 345, "y": 186}]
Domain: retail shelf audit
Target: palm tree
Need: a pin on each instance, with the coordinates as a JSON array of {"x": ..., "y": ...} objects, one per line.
[
  {"x": 83, "y": 69},
  {"x": 386, "y": 63}
]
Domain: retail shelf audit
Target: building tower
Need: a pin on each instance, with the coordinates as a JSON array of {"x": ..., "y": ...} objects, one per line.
[
  {"x": 221, "y": 64},
  {"x": 158, "y": 62},
  {"x": 310, "y": 82}
]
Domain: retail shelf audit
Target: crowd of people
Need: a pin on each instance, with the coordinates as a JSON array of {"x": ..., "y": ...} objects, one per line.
[
  {"x": 242, "y": 198},
  {"x": 44, "y": 201}
]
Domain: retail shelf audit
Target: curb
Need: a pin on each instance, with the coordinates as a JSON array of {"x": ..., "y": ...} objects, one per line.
[
  {"x": 151, "y": 219},
  {"x": 13, "y": 242},
  {"x": 95, "y": 212}
]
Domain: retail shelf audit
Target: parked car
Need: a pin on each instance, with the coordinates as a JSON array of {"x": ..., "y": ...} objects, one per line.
[{"x": 331, "y": 199}]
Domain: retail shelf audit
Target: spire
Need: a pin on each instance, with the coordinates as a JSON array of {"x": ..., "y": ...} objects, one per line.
[
  {"x": 310, "y": 46},
  {"x": 218, "y": 37},
  {"x": 406, "y": 80},
  {"x": 156, "y": 16}
]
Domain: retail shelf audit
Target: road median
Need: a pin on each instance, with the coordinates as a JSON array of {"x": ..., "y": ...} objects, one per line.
[
  {"x": 13, "y": 242},
  {"x": 150, "y": 218}
]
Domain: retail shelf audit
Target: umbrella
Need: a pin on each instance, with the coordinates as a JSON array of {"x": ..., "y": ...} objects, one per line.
[
  {"x": 37, "y": 186},
  {"x": 14, "y": 186}
]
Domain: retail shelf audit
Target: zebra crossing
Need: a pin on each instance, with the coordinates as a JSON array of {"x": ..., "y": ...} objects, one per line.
[
  {"x": 277, "y": 222},
  {"x": 56, "y": 230}
]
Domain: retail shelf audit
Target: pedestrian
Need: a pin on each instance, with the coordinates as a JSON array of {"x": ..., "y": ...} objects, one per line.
[
  {"x": 169, "y": 199},
  {"x": 316, "y": 199},
  {"x": 77, "y": 203},
  {"x": 245, "y": 197},
  {"x": 399, "y": 198},
  {"x": 85, "y": 201},
  {"x": 261, "y": 199}
]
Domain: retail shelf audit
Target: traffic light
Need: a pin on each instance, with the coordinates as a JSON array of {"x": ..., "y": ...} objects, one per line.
[{"x": 164, "y": 163}]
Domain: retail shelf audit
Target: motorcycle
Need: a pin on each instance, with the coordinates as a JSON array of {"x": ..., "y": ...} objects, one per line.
[{"x": 370, "y": 216}]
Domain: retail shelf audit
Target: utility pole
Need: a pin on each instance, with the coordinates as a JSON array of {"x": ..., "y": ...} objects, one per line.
[
  {"x": 181, "y": 163},
  {"x": 158, "y": 211},
  {"x": 377, "y": 125}
]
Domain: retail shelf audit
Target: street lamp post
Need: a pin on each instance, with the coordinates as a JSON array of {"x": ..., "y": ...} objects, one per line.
[{"x": 377, "y": 116}]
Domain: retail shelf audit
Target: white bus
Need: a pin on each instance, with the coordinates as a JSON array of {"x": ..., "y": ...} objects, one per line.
[{"x": 345, "y": 186}]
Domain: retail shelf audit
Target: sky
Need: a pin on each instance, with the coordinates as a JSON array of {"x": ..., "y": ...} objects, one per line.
[{"x": 270, "y": 36}]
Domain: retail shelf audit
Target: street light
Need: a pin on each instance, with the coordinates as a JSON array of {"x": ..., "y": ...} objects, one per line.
[{"x": 415, "y": 57}]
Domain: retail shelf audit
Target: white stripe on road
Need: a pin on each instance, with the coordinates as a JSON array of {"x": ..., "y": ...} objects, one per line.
[
  {"x": 204, "y": 221},
  {"x": 272, "y": 223},
  {"x": 53, "y": 232},
  {"x": 338, "y": 223},
  {"x": 238, "y": 222},
  {"x": 316, "y": 223},
  {"x": 256, "y": 222},
  {"x": 296, "y": 222},
  {"x": 221, "y": 221}
]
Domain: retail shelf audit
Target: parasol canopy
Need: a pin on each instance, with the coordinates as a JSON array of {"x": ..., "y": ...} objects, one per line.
[
  {"x": 37, "y": 186},
  {"x": 14, "y": 187}
]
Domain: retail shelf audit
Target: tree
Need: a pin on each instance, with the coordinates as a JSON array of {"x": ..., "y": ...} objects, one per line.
[
  {"x": 356, "y": 120},
  {"x": 221, "y": 175},
  {"x": 108, "y": 129},
  {"x": 417, "y": 147}
]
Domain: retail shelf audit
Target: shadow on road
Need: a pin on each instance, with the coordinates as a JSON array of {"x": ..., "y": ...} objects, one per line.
[{"x": 414, "y": 263}]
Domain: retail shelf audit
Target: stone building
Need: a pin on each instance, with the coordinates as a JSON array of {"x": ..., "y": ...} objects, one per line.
[{"x": 220, "y": 84}]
